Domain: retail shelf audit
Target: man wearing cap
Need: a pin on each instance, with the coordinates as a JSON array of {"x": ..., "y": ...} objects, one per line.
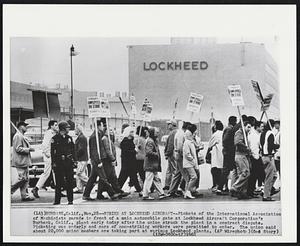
[
  {"x": 169, "y": 153},
  {"x": 21, "y": 160},
  {"x": 62, "y": 156}
]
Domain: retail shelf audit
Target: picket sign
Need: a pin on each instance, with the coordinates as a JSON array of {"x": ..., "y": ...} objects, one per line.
[
  {"x": 99, "y": 107},
  {"x": 265, "y": 102},
  {"x": 236, "y": 97},
  {"x": 194, "y": 104},
  {"x": 146, "y": 115}
]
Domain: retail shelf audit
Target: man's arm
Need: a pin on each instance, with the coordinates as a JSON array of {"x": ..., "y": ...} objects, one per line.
[
  {"x": 107, "y": 149},
  {"x": 93, "y": 150},
  {"x": 149, "y": 149},
  {"x": 20, "y": 149},
  {"x": 239, "y": 142}
]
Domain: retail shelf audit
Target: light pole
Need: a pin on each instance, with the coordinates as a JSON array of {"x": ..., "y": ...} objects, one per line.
[{"x": 71, "y": 55}]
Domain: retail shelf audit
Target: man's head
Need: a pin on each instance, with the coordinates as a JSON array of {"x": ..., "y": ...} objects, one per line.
[
  {"x": 124, "y": 126},
  {"x": 153, "y": 132},
  {"x": 192, "y": 128},
  {"x": 244, "y": 117},
  {"x": 272, "y": 122},
  {"x": 78, "y": 129},
  {"x": 101, "y": 124},
  {"x": 53, "y": 125},
  {"x": 252, "y": 120},
  {"x": 171, "y": 124},
  {"x": 247, "y": 126},
  {"x": 232, "y": 120},
  {"x": 259, "y": 126},
  {"x": 277, "y": 124},
  {"x": 185, "y": 125},
  {"x": 22, "y": 126},
  {"x": 63, "y": 127},
  {"x": 219, "y": 126}
]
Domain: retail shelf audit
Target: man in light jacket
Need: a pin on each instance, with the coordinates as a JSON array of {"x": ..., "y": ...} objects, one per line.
[
  {"x": 179, "y": 176},
  {"x": 46, "y": 146},
  {"x": 190, "y": 162},
  {"x": 21, "y": 160}
]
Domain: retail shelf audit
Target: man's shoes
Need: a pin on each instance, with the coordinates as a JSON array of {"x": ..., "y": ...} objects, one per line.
[
  {"x": 56, "y": 203},
  {"x": 197, "y": 194},
  {"x": 115, "y": 196},
  {"x": 166, "y": 188},
  {"x": 222, "y": 193},
  {"x": 253, "y": 195},
  {"x": 188, "y": 195},
  {"x": 77, "y": 191},
  {"x": 268, "y": 199},
  {"x": 88, "y": 198},
  {"x": 140, "y": 194},
  {"x": 27, "y": 199},
  {"x": 214, "y": 189},
  {"x": 124, "y": 194},
  {"x": 148, "y": 198},
  {"x": 70, "y": 203},
  {"x": 162, "y": 196},
  {"x": 174, "y": 195},
  {"x": 233, "y": 193},
  {"x": 35, "y": 192},
  {"x": 243, "y": 196},
  {"x": 63, "y": 195},
  {"x": 45, "y": 188},
  {"x": 274, "y": 191},
  {"x": 101, "y": 197}
]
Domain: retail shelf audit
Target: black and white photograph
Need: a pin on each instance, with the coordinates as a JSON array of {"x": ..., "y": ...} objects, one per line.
[{"x": 148, "y": 137}]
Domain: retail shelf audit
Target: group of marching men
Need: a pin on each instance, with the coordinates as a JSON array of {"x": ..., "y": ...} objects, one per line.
[
  {"x": 253, "y": 162},
  {"x": 141, "y": 160}
]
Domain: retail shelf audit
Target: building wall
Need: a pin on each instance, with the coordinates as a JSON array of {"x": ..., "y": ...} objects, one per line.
[
  {"x": 21, "y": 97},
  {"x": 227, "y": 64}
]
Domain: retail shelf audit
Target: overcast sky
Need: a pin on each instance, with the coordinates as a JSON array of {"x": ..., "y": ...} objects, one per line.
[{"x": 102, "y": 64}]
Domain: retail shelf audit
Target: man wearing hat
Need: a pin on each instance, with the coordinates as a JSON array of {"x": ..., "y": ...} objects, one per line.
[
  {"x": 62, "y": 154},
  {"x": 21, "y": 160},
  {"x": 169, "y": 153}
]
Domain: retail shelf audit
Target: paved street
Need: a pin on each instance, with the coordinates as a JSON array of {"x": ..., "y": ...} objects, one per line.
[{"x": 47, "y": 197}]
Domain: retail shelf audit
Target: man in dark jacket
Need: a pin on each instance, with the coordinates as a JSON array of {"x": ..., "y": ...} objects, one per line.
[
  {"x": 152, "y": 166},
  {"x": 62, "y": 157},
  {"x": 97, "y": 168},
  {"x": 169, "y": 154},
  {"x": 109, "y": 160},
  {"x": 268, "y": 148},
  {"x": 239, "y": 188},
  {"x": 228, "y": 154},
  {"x": 81, "y": 157}
]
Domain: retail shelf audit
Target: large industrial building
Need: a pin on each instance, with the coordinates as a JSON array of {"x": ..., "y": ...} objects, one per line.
[{"x": 163, "y": 73}]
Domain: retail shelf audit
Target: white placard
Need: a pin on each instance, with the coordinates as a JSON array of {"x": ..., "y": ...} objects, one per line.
[
  {"x": 144, "y": 106},
  {"x": 133, "y": 106},
  {"x": 98, "y": 107},
  {"x": 236, "y": 97},
  {"x": 194, "y": 102},
  {"x": 148, "y": 113}
]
